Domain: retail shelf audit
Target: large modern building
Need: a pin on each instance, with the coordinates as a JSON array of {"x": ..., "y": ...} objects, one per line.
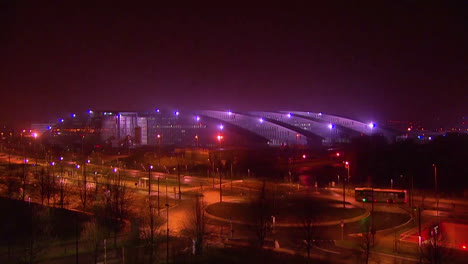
[{"x": 210, "y": 128}]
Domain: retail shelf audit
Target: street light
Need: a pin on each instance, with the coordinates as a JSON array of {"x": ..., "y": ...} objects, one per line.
[
  {"x": 158, "y": 136},
  {"x": 347, "y": 167},
  {"x": 167, "y": 233},
  {"x": 436, "y": 187}
]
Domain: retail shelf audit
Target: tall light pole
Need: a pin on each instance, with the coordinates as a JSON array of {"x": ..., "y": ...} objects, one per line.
[
  {"x": 167, "y": 233},
  {"x": 151, "y": 213},
  {"x": 158, "y": 194},
  {"x": 347, "y": 167},
  {"x": 436, "y": 187}
]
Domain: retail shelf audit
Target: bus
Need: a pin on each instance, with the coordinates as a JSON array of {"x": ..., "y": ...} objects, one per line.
[{"x": 380, "y": 195}]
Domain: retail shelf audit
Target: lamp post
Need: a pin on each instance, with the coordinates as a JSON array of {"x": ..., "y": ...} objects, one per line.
[
  {"x": 151, "y": 213},
  {"x": 24, "y": 177},
  {"x": 158, "y": 194},
  {"x": 347, "y": 167},
  {"x": 436, "y": 188},
  {"x": 220, "y": 187},
  {"x": 167, "y": 233}
]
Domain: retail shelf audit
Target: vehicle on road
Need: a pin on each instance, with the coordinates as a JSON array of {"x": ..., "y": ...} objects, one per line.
[{"x": 380, "y": 195}]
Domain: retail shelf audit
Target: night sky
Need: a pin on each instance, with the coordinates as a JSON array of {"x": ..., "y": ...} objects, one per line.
[{"x": 366, "y": 60}]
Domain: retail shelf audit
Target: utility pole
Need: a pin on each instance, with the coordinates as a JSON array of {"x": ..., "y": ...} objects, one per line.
[
  {"x": 167, "y": 234},
  {"x": 344, "y": 193},
  {"x": 178, "y": 179},
  {"x": 151, "y": 214},
  {"x": 220, "y": 188}
]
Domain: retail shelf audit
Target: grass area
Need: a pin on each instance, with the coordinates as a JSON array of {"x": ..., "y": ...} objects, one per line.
[
  {"x": 243, "y": 255},
  {"x": 290, "y": 209}
]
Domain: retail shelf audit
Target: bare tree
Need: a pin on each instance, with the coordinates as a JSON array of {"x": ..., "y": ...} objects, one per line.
[
  {"x": 39, "y": 238},
  {"x": 12, "y": 185},
  {"x": 195, "y": 226},
  {"x": 366, "y": 238},
  {"x": 433, "y": 250},
  {"x": 94, "y": 234},
  {"x": 149, "y": 229},
  {"x": 309, "y": 216},
  {"x": 261, "y": 211}
]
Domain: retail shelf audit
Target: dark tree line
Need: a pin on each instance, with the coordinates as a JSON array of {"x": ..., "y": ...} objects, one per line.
[{"x": 375, "y": 161}]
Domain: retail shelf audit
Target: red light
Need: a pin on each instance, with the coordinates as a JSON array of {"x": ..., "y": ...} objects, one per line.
[
  {"x": 464, "y": 246},
  {"x": 337, "y": 154},
  {"x": 304, "y": 156}
]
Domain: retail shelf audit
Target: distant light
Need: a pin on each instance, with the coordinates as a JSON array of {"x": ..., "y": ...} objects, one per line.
[
  {"x": 261, "y": 120},
  {"x": 157, "y": 110},
  {"x": 331, "y": 126},
  {"x": 176, "y": 113},
  {"x": 346, "y": 163},
  {"x": 52, "y": 163},
  {"x": 61, "y": 120},
  {"x": 115, "y": 169},
  {"x": 229, "y": 113},
  {"x": 77, "y": 166},
  {"x": 159, "y": 136},
  {"x": 219, "y": 137},
  {"x": 430, "y": 138},
  {"x": 35, "y": 135},
  {"x": 88, "y": 161},
  {"x": 364, "y": 200},
  {"x": 49, "y": 127},
  {"x": 221, "y": 127},
  {"x": 464, "y": 246},
  {"x": 420, "y": 137},
  {"x": 337, "y": 154},
  {"x": 61, "y": 158},
  {"x": 320, "y": 113},
  {"x": 197, "y": 118},
  {"x": 304, "y": 156},
  {"x": 90, "y": 111},
  {"x": 289, "y": 115},
  {"x": 73, "y": 115},
  {"x": 371, "y": 125},
  {"x": 26, "y": 161},
  {"x": 151, "y": 167},
  {"x": 409, "y": 128}
]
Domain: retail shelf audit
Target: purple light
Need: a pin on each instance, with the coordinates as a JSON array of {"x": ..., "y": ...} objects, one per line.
[
  {"x": 221, "y": 127},
  {"x": 331, "y": 126},
  {"x": 61, "y": 120},
  {"x": 371, "y": 125},
  {"x": 73, "y": 115},
  {"x": 176, "y": 113},
  {"x": 229, "y": 113},
  {"x": 289, "y": 115},
  {"x": 90, "y": 111},
  {"x": 261, "y": 120},
  {"x": 197, "y": 118},
  {"x": 157, "y": 110}
]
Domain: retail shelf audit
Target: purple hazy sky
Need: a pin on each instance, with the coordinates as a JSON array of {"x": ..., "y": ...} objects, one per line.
[{"x": 403, "y": 60}]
